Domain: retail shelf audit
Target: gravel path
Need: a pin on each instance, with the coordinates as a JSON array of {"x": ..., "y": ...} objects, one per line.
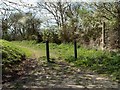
[{"x": 39, "y": 74}]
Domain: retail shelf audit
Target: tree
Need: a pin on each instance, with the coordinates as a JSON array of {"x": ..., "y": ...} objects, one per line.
[
  {"x": 21, "y": 26},
  {"x": 66, "y": 18},
  {"x": 111, "y": 13}
]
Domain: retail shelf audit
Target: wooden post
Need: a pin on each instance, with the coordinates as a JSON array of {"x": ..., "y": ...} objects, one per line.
[
  {"x": 103, "y": 36},
  {"x": 47, "y": 51},
  {"x": 75, "y": 49}
]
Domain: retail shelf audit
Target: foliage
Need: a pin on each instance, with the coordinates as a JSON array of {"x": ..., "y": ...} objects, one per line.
[
  {"x": 51, "y": 35},
  {"x": 20, "y": 26},
  {"x": 11, "y": 53},
  {"x": 67, "y": 19}
]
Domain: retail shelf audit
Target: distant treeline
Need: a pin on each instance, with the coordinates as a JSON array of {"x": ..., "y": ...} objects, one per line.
[{"x": 80, "y": 21}]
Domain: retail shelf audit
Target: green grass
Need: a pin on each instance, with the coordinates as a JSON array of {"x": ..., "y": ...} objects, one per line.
[
  {"x": 38, "y": 50},
  {"x": 56, "y": 51},
  {"x": 12, "y": 53},
  {"x": 102, "y": 62}
]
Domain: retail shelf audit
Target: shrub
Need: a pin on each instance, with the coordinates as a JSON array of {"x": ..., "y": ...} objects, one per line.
[{"x": 11, "y": 53}]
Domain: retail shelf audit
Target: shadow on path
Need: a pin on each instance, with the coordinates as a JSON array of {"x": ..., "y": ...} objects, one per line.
[{"x": 38, "y": 74}]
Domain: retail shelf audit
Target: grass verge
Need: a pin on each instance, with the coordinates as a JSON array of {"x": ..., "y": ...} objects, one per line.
[{"x": 102, "y": 62}]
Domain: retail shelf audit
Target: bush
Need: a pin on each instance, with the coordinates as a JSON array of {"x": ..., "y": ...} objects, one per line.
[{"x": 11, "y": 53}]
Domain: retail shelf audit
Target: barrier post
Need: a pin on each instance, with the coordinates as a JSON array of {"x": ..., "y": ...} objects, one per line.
[{"x": 75, "y": 49}]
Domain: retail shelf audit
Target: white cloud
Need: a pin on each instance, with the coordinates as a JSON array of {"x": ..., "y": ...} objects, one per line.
[
  {"x": 27, "y": 2},
  {"x": 31, "y": 2}
]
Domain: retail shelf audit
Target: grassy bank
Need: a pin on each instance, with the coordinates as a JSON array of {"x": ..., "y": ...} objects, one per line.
[{"x": 11, "y": 54}]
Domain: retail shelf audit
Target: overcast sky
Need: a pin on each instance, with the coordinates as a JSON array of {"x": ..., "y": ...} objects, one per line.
[
  {"x": 31, "y": 2},
  {"x": 44, "y": 15}
]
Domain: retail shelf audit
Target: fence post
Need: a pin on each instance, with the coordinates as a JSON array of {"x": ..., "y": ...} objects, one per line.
[
  {"x": 103, "y": 36},
  {"x": 75, "y": 49},
  {"x": 47, "y": 51}
]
